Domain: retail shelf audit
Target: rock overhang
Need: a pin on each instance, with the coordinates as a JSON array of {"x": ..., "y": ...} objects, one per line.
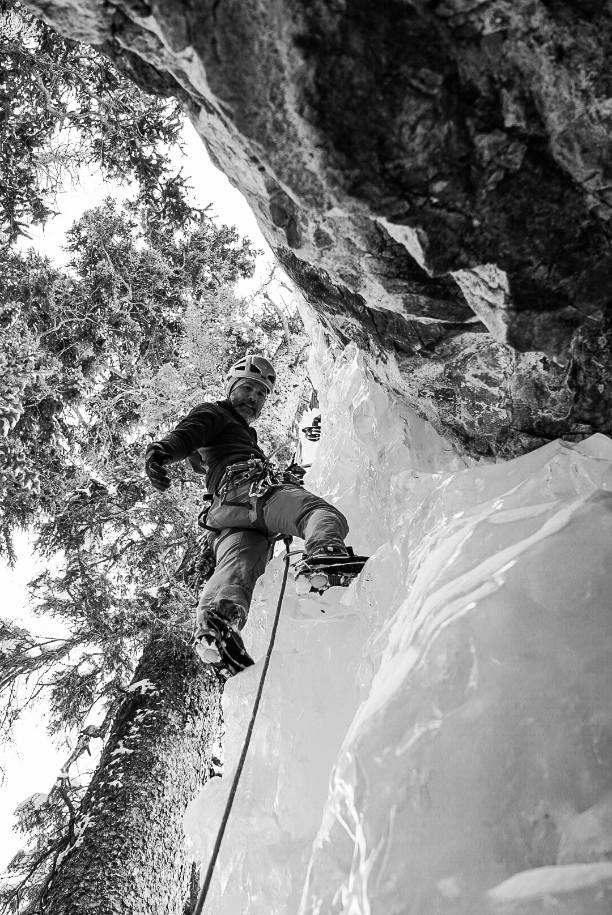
[{"x": 433, "y": 176}]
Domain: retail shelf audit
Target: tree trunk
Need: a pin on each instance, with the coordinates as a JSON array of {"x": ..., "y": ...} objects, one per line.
[{"x": 129, "y": 855}]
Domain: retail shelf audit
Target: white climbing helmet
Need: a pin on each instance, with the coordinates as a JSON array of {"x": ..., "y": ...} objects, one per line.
[{"x": 255, "y": 368}]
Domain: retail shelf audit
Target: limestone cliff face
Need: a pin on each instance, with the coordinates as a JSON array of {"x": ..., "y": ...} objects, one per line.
[{"x": 434, "y": 176}]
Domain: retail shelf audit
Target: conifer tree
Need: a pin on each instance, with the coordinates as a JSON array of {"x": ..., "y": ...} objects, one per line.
[
  {"x": 66, "y": 107},
  {"x": 133, "y": 333}
]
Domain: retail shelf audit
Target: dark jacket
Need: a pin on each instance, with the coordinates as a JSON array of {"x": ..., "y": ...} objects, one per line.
[{"x": 212, "y": 436}]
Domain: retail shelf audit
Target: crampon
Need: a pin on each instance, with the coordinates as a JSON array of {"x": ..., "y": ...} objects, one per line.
[{"x": 315, "y": 574}]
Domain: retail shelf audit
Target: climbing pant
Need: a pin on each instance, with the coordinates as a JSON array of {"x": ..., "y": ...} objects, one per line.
[{"x": 246, "y": 528}]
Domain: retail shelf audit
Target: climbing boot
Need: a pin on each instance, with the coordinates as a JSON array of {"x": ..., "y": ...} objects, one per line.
[
  {"x": 308, "y": 577},
  {"x": 329, "y": 566},
  {"x": 327, "y": 551},
  {"x": 217, "y": 642}
]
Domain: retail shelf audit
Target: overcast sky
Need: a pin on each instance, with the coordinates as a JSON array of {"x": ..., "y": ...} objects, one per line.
[{"x": 32, "y": 762}]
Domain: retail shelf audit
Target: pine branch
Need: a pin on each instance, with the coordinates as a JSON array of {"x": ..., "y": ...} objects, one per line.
[
  {"x": 66, "y": 840},
  {"x": 14, "y": 893}
]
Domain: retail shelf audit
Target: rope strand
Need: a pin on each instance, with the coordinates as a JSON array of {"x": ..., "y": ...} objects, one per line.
[{"x": 230, "y": 800}]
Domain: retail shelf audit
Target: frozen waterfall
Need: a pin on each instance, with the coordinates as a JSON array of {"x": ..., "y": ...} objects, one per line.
[{"x": 437, "y": 738}]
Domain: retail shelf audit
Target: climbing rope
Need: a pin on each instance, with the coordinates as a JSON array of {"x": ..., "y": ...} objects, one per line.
[{"x": 230, "y": 800}]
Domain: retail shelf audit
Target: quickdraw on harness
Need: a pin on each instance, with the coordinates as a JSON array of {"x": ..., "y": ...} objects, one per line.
[
  {"x": 259, "y": 473},
  {"x": 262, "y": 474}
]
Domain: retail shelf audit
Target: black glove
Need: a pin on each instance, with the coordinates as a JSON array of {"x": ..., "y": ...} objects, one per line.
[
  {"x": 294, "y": 474},
  {"x": 155, "y": 458}
]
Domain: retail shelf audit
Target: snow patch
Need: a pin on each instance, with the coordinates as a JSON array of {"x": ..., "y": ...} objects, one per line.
[
  {"x": 121, "y": 749},
  {"x": 143, "y": 686}
]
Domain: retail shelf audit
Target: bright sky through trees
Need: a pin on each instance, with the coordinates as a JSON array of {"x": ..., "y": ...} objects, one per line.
[
  {"x": 210, "y": 186},
  {"x": 32, "y": 761}
]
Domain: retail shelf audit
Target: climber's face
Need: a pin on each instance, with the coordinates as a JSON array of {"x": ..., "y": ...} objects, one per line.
[{"x": 247, "y": 398}]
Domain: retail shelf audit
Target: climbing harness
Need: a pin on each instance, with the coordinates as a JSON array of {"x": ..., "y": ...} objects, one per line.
[
  {"x": 230, "y": 800},
  {"x": 263, "y": 477}
]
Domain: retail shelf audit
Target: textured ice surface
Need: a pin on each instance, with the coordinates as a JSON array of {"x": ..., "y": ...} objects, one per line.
[{"x": 437, "y": 738}]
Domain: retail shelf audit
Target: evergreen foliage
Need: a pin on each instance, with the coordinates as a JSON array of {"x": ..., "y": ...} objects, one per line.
[
  {"x": 64, "y": 107},
  {"x": 79, "y": 345}
]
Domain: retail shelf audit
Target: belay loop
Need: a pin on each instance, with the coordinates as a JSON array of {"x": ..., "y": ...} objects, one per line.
[{"x": 247, "y": 740}]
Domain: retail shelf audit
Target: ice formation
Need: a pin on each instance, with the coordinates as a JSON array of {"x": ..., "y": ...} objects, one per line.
[{"x": 437, "y": 738}]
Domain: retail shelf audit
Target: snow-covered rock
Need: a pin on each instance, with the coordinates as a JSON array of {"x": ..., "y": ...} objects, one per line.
[{"x": 436, "y": 739}]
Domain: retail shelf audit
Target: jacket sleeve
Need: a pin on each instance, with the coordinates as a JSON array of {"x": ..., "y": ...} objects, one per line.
[{"x": 199, "y": 428}]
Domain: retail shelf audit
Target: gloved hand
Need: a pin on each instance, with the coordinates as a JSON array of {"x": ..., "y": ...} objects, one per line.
[
  {"x": 294, "y": 474},
  {"x": 155, "y": 458}
]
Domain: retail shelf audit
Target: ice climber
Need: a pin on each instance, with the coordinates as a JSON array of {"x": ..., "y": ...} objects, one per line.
[{"x": 252, "y": 502}]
